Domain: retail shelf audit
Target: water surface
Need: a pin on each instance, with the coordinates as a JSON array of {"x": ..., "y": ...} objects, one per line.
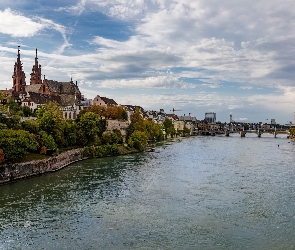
[{"x": 194, "y": 193}]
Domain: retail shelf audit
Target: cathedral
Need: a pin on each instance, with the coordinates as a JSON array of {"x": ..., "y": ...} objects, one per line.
[{"x": 41, "y": 91}]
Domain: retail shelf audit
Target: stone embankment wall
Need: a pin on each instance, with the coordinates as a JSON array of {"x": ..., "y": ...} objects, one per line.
[
  {"x": 117, "y": 124},
  {"x": 16, "y": 171}
]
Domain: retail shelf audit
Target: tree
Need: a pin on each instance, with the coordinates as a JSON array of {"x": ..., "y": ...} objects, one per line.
[
  {"x": 114, "y": 137},
  {"x": 17, "y": 143},
  {"x": 138, "y": 140},
  {"x": 70, "y": 133},
  {"x": 137, "y": 123},
  {"x": 47, "y": 140},
  {"x": 13, "y": 106},
  {"x": 50, "y": 119},
  {"x": 169, "y": 128},
  {"x": 26, "y": 111},
  {"x": 124, "y": 115},
  {"x": 31, "y": 125},
  {"x": 88, "y": 128},
  {"x": 97, "y": 109},
  {"x": 153, "y": 130}
]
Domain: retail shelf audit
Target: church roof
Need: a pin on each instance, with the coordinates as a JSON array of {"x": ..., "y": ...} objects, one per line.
[
  {"x": 108, "y": 101},
  {"x": 33, "y": 88},
  {"x": 42, "y": 98},
  {"x": 54, "y": 86}
]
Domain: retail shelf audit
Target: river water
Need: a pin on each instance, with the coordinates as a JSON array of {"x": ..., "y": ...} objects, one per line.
[{"x": 192, "y": 193}]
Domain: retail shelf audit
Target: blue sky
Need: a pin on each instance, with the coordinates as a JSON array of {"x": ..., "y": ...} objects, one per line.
[{"x": 195, "y": 56}]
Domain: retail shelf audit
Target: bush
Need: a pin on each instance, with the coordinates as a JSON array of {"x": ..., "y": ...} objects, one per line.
[
  {"x": 101, "y": 151},
  {"x": 17, "y": 143},
  {"x": 138, "y": 140},
  {"x": 2, "y": 159}
]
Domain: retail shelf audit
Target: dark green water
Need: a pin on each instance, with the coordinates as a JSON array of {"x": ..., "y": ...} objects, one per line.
[{"x": 195, "y": 193}]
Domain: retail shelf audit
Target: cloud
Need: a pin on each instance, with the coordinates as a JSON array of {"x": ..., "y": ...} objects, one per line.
[
  {"x": 75, "y": 9},
  {"x": 17, "y": 25},
  {"x": 159, "y": 82}
]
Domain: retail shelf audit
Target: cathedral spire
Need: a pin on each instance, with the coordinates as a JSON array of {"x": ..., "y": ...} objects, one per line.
[
  {"x": 36, "y": 72},
  {"x": 18, "y": 77}
]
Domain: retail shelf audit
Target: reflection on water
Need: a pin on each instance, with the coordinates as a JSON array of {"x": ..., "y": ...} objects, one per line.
[{"x": 196, "y": 193}]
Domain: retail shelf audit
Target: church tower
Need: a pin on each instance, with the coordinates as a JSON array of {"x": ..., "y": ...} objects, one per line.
[
  {"x": 18, "y": 77},
  {"x": 36, "y": 72}
]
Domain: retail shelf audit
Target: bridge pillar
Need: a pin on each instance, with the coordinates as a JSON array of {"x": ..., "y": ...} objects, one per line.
[
  {"x": 242, "y": 133},
  {"x": 275, "y": 134},
  {"x": 259, "y": 133}
]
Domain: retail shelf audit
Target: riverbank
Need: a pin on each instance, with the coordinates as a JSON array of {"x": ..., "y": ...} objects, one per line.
[{"x": 11, "y": 172}]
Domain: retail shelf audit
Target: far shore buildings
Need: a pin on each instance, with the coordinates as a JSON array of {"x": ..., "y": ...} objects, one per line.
[{"x": 41, "y": 91}]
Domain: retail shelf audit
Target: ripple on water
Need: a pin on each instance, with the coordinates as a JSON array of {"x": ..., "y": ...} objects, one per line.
[{"x": 195, "y": 193}]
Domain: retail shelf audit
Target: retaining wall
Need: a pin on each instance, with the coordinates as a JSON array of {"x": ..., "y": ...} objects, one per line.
[{"x": 16, "y": 171}]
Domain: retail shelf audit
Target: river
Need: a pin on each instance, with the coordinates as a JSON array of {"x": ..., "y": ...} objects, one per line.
[{"x": 212, "y": 192}]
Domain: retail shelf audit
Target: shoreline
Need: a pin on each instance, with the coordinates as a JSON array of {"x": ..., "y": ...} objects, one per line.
[{"x": 12, "y": 172}]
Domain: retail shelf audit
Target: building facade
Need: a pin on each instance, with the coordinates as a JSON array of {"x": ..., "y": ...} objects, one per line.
[{"x": 41, "y": 91}]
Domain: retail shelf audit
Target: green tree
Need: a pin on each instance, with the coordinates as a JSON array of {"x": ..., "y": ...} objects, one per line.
[
  {"x": 138, "y": 140},
  {"x": 31, "y": 125},
  {"x": 17, "y": 143},
  {"x": 114, "y": 137},
  {"x": 70, "y": 133},
  {"x": 26, "y": 111},
  {"x": 88, "y": 128},
  {"x": 50, "y": 119},
  {"x": 13, "y": 106},
  {"x": 169, "y": 128},
  {"x": 153, "y": 130},
  {"x": 47, "y": 140},
  {"x": 136, "y": 123}
]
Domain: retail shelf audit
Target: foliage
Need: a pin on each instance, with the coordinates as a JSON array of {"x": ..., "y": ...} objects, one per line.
[
  {"x": 169, "y": 128},
  {"x": 13, "y": 106},
  {"x": 88, "y": 128},
  {"x": 3, "y": 126},
  {"x": 136, "y": 124},
  {"x": 109, "y": 112},
  {"x": 101, "y": 151},
  {"x": 186, "y": 130},
  {"x": 154, "y": 131},
  {"x": 114, "y": 137},
  {"x": 31, "y": 125},
  {"x": 2, "y": 158},
  {"x": 14, "y": 122},
  {"x": 43, "y": 150},
  {"x": 97, "y": 109},
  {"x": 17, "y": 143},
  {"x": 50, "y": 119},
  {"x": 292, "y": 131},
  {"x": 47, "y": 140},
  {"x": 138, "y": 140},
  {"x": 70, "y": 133},
  {"x": 26, "y": 111}
]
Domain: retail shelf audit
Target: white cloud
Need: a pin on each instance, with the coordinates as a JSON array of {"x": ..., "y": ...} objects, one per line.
[
  {"x": 17, "y": 25},
  {"x": 76, "y": 9}
]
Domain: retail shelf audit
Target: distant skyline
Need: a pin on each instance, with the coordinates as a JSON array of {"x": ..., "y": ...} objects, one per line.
[{"x": 195, "y": 56}]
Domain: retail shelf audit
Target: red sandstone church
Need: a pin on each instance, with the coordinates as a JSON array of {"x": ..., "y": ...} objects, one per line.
[{"x": 66, "y": 94}]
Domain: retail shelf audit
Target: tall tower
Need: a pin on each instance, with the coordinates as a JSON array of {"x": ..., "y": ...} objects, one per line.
[
  {"x": 18, "y": 77},
  {"x": 36, "y": 72},
  {"x": 231, "y": 117}
]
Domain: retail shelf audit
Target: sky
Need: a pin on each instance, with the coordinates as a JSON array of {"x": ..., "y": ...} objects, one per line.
[{"x": 228, "y": 57}]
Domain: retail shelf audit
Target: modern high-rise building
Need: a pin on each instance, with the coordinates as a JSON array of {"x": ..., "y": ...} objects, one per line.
[{"x": 210, "y": 117}]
